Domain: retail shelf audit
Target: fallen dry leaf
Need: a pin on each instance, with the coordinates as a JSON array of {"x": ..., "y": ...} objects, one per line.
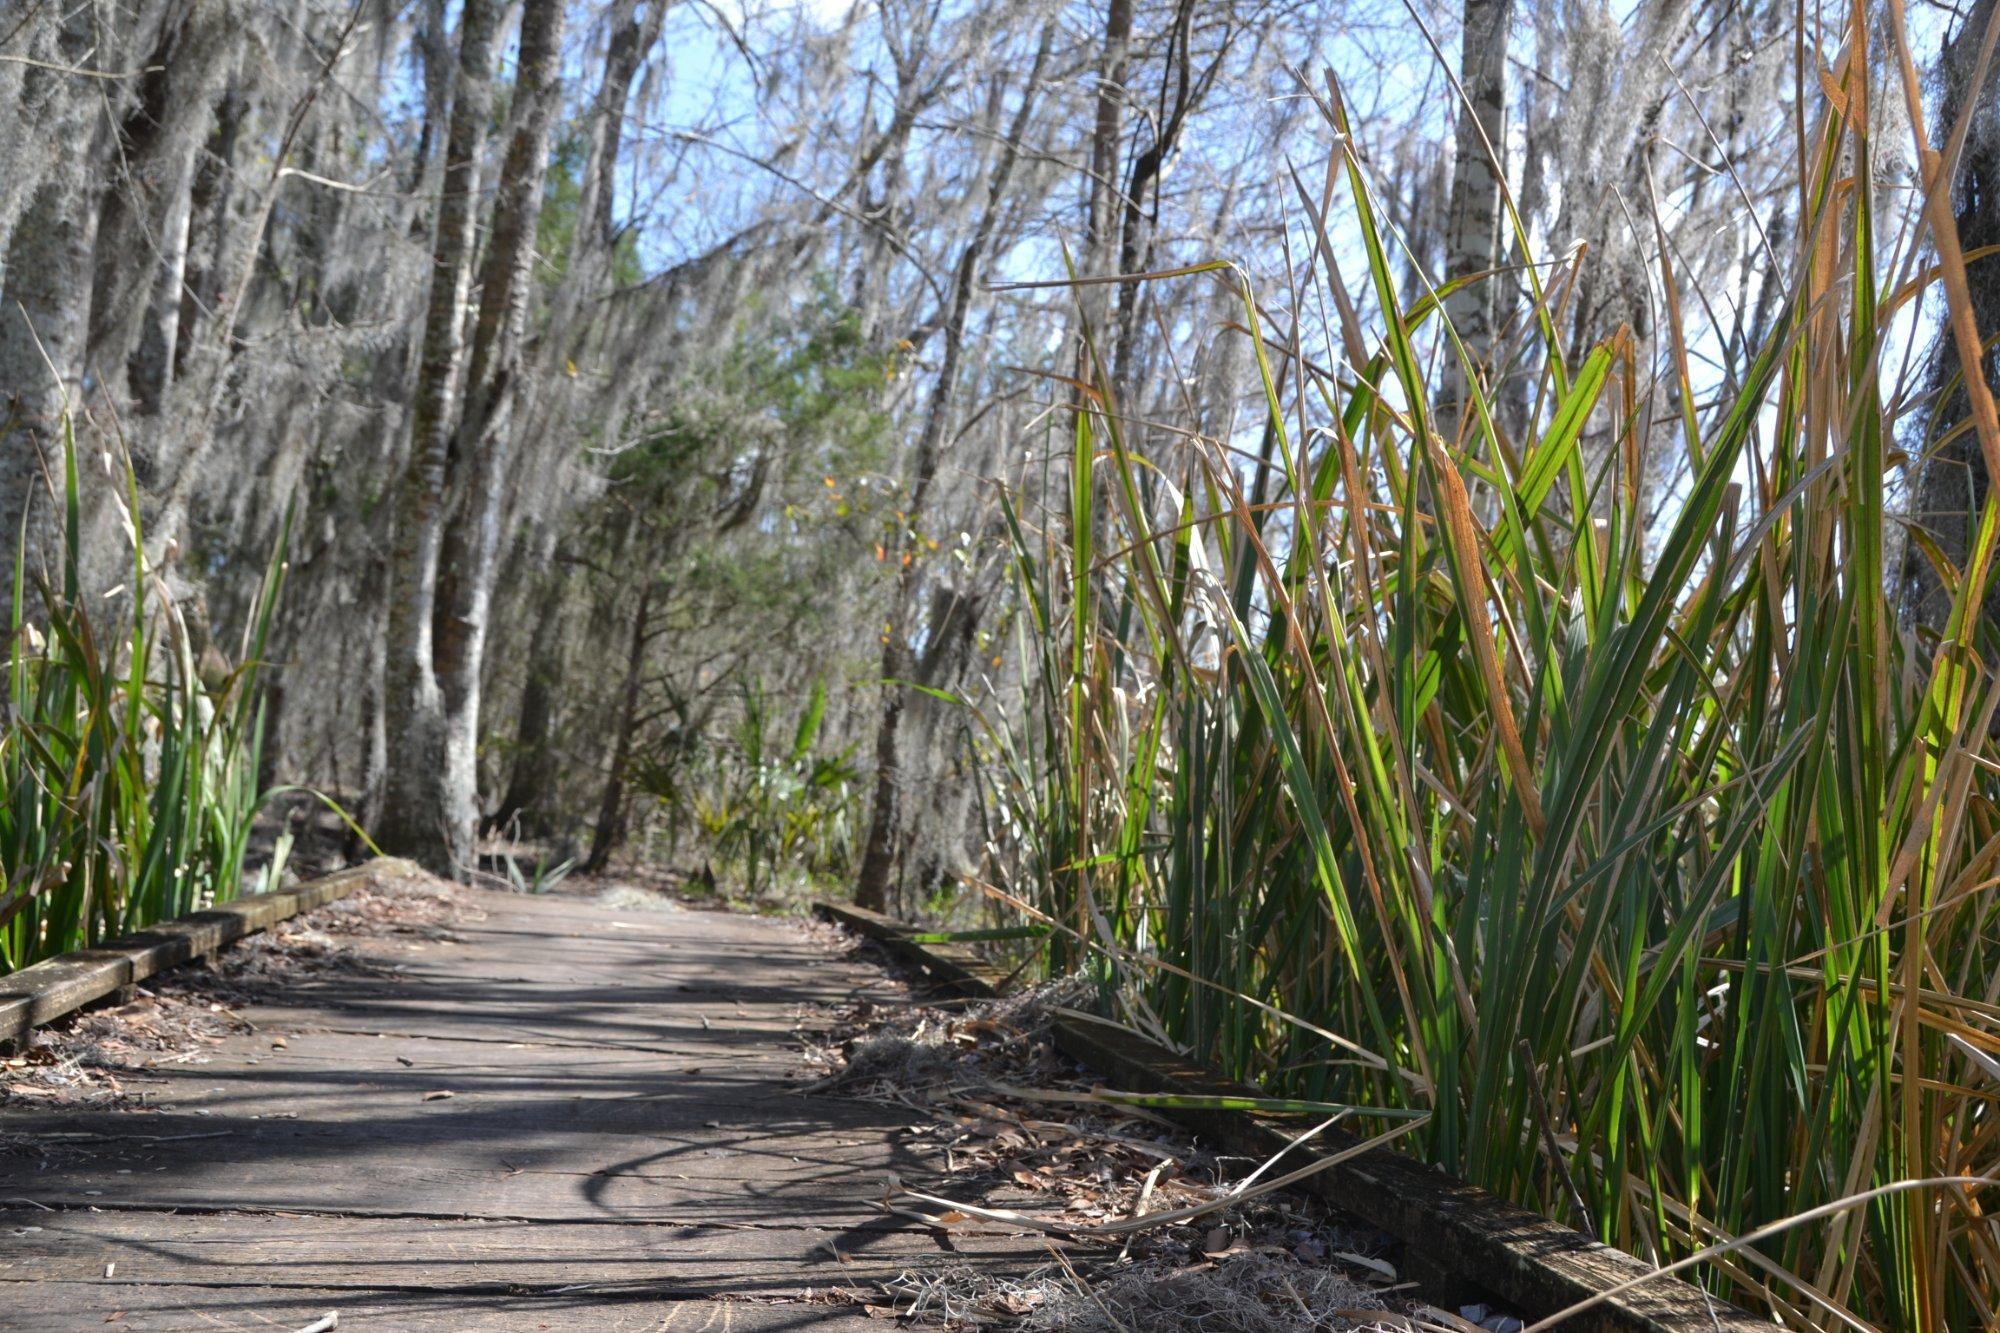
[{"x": 1387, "y": 1270}]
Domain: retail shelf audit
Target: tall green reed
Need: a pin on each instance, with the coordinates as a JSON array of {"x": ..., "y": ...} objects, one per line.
[
  {"x": 1399, "y": 762},
  {"x": 128, "y": 784}
]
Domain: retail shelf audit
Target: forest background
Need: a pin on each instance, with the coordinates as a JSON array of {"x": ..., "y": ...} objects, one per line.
[{"x": 697, "y": 429}]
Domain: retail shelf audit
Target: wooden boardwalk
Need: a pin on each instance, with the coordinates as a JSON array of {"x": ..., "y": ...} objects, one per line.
[{"x": 622, "y": 1148}]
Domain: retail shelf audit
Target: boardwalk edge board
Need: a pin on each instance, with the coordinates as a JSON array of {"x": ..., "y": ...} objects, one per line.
[
  {"x": 1453, "y": 1232},
  {"x": 63, "y": 984}
]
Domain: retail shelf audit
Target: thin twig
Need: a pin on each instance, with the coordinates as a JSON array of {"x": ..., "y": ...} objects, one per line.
[{"x": 1527, "y": 1054}]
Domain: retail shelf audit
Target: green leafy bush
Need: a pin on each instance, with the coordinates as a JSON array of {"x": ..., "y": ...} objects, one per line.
[{"x": 766, "y": 807}]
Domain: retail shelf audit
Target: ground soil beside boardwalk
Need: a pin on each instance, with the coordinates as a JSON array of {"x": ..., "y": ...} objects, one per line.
[{"x": 459, "y": 1108}]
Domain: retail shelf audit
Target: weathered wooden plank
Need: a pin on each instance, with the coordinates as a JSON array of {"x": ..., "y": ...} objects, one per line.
[
  {"x": 51, "y": 989},
  {"x": 61, "y": 1307},
  {"x": 719, "y": 1259},
  {"x": 1453, "y": 1229},
  {"x": 957, "y": 966},
  {"x": 648, "y": 1162},
  {"x": 48, "y": 990},
  {"x": 706, "y": 1197},
  {"x": 323, "y": 1131},
  {"x": 701, "y": 1160},
  {"x": 309, "y": 1051}
]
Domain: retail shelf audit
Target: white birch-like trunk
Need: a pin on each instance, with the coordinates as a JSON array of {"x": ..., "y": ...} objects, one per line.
[
  {"x": 414, "y": 818},
  {"x": 448, "y": 524},
  {"x": 1473, "y": 235}
]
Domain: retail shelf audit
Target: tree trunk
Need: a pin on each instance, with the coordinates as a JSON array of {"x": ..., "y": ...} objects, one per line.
[
  {"x": 415, "y": 818},
  {"x": 1473, "y": 234},
  {"x": 209, "y": 206},
  {"x": 588, "y": 273},
  {"x": 1953, "y": 484},
  {"x": 428, "y": 37},
  {"x": 882, "y": 850},
  {"x": 150, "y": 370},
  {"x": 604, "y": 838},
  {"x": 178, "y": 458},
  {"x": 142, "y": 227},
  {"x": 482, "y": 448},
  {"x": 632, "y": 36},
  {"x": 442, "y": 587},
  {"x": 533, "y": 773},
  {"x": 879, "y": 852},
  {"x": 1101, "y": 214},
  {"x": 1141, "y": 203},
  {"x": 44, "y": 319},
  {"x": 47, "y": 229}
]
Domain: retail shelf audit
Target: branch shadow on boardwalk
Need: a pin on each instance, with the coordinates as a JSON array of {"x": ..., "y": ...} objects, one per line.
[{"x": 623, "y": 1143}]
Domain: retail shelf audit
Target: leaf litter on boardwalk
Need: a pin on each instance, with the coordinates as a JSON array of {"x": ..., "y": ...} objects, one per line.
[
  {"x": 981, "y": 1073},
  {"x": 90, "y": 1058}
]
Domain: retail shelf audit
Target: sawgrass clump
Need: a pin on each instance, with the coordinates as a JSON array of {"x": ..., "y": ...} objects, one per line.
[{"x": 1404, "y": 757}]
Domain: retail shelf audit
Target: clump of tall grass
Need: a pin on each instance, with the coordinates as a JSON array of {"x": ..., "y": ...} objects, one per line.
[
  {"x": 1407, "y": 766},
  {"x": 128, "y": 783}
]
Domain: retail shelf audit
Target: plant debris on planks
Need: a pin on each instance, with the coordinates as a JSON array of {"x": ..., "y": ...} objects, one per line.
[
  {"x": 1022, "y": 1136},
  {"x": 99, "y": 1057}
]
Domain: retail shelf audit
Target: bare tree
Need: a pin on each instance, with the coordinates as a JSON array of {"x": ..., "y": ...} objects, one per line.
[
  {"x": 881, "y": 851},
  {"x": 45, "y": 302},
  {"x": 449, "y": 512}
]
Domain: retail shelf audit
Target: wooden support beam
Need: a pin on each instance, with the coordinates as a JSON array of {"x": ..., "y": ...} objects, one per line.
[
  {"x": 957, "y": 966},
  {"x": 57, "y": 986}
]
